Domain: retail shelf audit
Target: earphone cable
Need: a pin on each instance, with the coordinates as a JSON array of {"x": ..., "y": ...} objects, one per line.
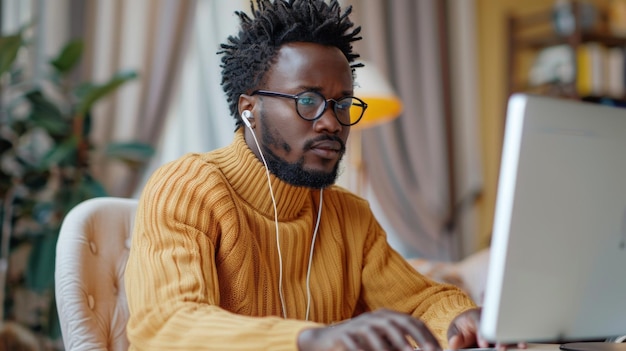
[
  {"x": 280, "y": 258},
  {"x": 308, "y": 271}
]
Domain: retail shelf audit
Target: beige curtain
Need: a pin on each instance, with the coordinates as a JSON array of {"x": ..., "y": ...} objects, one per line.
[
  {"x": 408, "y": 162},
  {"x": 466, "y": 121},
  {"x": 148, "y": 36},
  {"x": 199, "y": 119}
]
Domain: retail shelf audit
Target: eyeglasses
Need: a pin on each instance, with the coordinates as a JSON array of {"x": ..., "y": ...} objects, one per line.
[{"x": 311, "y": 105}]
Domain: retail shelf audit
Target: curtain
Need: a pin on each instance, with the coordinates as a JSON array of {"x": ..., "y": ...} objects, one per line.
[
  {"x": 409, "y": 162},
  {"x": 199, "y": 119},
  {"x": 465, "y": 90},
  {"x": 148, "y": 36}
]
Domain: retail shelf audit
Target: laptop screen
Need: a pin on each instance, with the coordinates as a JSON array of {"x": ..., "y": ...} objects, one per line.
[{"x": 557, "y": 269}]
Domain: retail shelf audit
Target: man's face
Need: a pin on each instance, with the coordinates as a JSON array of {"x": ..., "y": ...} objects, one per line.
[{"x": 301, "y": 152}]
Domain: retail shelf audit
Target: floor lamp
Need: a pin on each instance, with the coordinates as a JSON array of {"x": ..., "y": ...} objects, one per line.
[{"x": 383, "y": 105}]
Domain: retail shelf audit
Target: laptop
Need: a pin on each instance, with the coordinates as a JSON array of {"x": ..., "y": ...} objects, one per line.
[{"x": 557, "y": 270}]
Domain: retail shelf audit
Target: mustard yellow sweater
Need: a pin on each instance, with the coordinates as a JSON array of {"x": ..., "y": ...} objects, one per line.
[{"x": 203, "y": 267}]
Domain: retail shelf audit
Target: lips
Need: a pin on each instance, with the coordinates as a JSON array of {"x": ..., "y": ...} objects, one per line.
[
  {"x": 328, "y": 149},
  {"x": 330, "y": 145}
]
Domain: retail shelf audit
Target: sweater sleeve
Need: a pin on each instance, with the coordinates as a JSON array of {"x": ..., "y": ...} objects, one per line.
[
  {"x": 171, "y": 279},
  {"x": 389, "y": 281}
]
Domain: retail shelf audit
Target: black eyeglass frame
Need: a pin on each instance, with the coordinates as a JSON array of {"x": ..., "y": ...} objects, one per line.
[{"x": 321, "y": 112}]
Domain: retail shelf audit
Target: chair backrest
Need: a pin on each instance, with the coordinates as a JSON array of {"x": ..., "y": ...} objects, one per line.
[{"x": 91, "y": 256}]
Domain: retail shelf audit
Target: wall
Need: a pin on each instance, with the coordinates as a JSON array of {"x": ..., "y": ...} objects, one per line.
[{"x": 492, "y": 33}]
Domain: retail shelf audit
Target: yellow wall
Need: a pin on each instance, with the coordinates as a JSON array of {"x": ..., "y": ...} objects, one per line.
[{"x": 492, "y": 39}]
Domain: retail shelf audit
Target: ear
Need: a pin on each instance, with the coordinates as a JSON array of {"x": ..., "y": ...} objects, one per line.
[{"x": 246, "y": 102}]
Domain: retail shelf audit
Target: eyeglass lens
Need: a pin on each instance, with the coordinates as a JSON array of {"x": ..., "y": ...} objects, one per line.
[{"x": 311, "y": 105}]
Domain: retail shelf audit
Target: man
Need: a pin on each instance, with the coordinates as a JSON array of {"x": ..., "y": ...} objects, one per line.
[{"x": 252, "y": 247}]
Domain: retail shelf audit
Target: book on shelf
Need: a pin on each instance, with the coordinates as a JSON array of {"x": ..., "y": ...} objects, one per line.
[
  {"x": 595, "y": 69},
  {"x": 590, "y": 73},
  {"x": 614, "y": 73}
]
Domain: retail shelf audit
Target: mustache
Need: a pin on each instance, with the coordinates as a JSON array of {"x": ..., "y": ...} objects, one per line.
[{"x": 309, "y": 144}]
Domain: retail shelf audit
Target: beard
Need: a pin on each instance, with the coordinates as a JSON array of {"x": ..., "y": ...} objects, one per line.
[{"x": 295, "y": 173}]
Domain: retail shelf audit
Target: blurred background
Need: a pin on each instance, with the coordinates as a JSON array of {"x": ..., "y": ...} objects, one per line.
[{"x": 94, "y": 95}]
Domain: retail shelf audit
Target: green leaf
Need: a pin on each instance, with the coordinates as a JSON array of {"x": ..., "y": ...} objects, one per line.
[
  {"x": 83, "y": 89},
  {"x": 40, "y": 270},
  {"x": 94, "y": 93},
  {"x": 90, "y": 188},
  {"x": 54, "y": 127},
  {"x": 64, "y": 199},
  {"x": 133, "y": 152},
  {"x": 54, "y": 327},
  {"x": 60, "y": 153},
  {"x": 77, "y": 190},
  {"x": 87, "y": 122},
  {"x": 68, "y": 58},
  {"x": 46, "y": 114},
  {"x": 9, "y": 46}
]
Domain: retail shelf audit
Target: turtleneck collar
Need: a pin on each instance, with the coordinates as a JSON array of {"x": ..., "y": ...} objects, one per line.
[{"x": 247, "y": 175}]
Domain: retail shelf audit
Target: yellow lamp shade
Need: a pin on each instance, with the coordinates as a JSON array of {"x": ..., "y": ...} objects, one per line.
[{"x": 382, "y": 103}]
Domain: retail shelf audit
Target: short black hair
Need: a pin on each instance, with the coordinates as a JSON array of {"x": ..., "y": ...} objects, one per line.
[{"x": 247, "y": 56}]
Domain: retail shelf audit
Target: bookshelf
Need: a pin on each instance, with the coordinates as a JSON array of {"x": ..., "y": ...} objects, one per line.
[{"x": 584, "y": 61}]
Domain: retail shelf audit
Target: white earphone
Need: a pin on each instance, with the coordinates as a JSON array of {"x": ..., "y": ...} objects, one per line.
[{"x": 245, "y": 116}]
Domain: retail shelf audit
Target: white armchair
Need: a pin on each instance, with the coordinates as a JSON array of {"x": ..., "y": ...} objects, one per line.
[{"x": 91, "y": 256}]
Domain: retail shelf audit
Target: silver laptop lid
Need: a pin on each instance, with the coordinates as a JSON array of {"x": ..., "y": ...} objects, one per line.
[{"x": 558, "y": 258}]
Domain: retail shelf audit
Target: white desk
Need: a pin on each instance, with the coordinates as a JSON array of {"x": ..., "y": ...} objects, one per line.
[
  {"x": 542, "y": 347},
  {"x": 603, "y": 346}
]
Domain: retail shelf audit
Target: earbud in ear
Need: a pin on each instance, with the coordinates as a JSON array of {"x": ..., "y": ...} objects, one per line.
[{"x": 245, "y": 116}]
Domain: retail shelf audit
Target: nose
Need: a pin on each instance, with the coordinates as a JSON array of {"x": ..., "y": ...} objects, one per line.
[{"x": 328, "y": 121}]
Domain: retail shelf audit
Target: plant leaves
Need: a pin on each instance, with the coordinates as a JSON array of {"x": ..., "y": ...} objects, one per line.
[
  {"x": 87, "y": 122},
  {"x": 92, "y": 93},
  {"x": 130, "y": 152},
  {"x": 55, "y": 128},
  {"x": 35, "y": 180},
  {"x": 46, "y": 114},
  {"x": 69, "y": 56},
  {"x": 44, "y": 211},
  {"x": 54, "y": 326},
  {"x": 40, "y": 270},
  {"x": 83, "y": 89},
  {"x": 90, "y": 188},
  {"x": 9, "y": 47},
  {"x": 5, "y": 145},
  {"x": 60, "y": 153},
  {"x": 5, "y": 183}
]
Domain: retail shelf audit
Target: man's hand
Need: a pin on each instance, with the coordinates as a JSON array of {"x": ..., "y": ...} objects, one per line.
[
  {"x": 373, "y": 331},
  {"x": 464, "y": 333}
]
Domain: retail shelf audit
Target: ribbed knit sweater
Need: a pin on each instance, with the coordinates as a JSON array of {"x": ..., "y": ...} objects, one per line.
[{"x": 203, "y": 270}]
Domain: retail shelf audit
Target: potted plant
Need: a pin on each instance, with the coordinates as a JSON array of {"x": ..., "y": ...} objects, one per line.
[{"x": 46, "y": 156}]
